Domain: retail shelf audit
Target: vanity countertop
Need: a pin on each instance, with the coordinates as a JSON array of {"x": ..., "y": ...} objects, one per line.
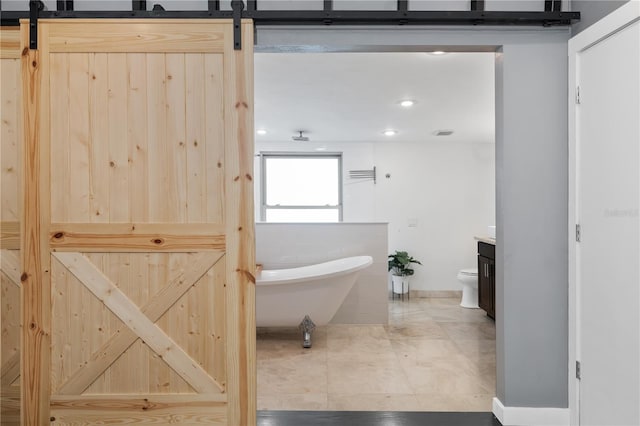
[{"x": 485, "y": 239}]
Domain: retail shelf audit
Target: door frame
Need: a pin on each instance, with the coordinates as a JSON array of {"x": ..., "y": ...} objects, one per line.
[
  {"x": 619, "y": 19},
  {"x": 509, "y": 53}
]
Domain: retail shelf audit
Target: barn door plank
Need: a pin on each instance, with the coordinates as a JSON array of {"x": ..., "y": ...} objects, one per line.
[
  {"x": 10, "y": 264},
  {"x": 238, "y": 128},
  {"x": 10, "y": 176},
  {"x": 148, "y": 409},
  {"x": 9, "y": 231},
  {"x": 36, "y": 281},
  {"x": 10, "y": 370},
  {"x": 10, "y": 267}
]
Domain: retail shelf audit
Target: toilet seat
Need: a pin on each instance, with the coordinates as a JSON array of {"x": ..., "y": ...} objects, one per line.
[{"x": 469, "y": 272}]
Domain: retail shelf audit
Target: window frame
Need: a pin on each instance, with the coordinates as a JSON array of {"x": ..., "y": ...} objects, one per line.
[{"x": 264, "y": 156}]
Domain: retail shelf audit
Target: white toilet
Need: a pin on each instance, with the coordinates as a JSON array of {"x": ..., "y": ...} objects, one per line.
[{"x": 469, "y": 280}]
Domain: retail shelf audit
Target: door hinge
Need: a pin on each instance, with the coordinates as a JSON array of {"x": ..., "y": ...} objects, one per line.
[
  {"x": 578, "y": 95},
  {"x": 578, "y": 373},
  {"x": 578, "y": 233}
]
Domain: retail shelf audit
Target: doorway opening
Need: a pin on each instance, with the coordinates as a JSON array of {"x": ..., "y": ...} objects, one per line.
[{"x": 434, "y": 191}]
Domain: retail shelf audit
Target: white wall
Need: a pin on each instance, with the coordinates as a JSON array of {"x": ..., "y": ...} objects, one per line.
[
  {"x": 438, "y": 197},
  {"x": 431, "y": 186}
]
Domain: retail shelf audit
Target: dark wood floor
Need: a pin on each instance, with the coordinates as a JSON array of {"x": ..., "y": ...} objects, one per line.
[{"x": 373, "y": 418}]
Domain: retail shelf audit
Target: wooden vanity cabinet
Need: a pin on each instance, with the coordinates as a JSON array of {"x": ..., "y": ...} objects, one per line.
[{"x": 487, "y": 277}]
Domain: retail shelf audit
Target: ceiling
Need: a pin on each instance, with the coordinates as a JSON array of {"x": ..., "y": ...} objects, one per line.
[{"x": 354, "y": 97}]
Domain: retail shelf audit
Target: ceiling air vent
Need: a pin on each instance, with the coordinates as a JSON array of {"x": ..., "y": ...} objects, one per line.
[{"x": 443, "y": 132}]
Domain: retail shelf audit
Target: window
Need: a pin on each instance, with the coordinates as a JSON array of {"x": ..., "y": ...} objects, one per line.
[{"x": 301, "y": 187}]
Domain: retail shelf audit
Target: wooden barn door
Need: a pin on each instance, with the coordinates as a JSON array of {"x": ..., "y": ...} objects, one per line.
[
  {"x": 138, "y": 235},
  {"x": 10, "y": 138}
]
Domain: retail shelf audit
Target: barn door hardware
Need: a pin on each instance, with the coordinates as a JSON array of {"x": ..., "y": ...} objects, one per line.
[
  {"x": 552, "y": 5},
  {"x": 64, "y": 5},
  {"x": 477, "y": 5},
  {"x": 237, "y": 6},
  {"x": 213, "y": 5},
  {"x": 35, "y": 6},
  {"x": 139, "y": 5},
  {"x": 552, "y": 15}
]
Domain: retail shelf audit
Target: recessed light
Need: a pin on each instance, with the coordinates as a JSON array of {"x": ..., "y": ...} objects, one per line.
[
  {"x": 261, "y": 132},
  {"x": 438, "y": 52},
  {"x": 407, "y": 103},
  {"x": 390, "y": 132}
]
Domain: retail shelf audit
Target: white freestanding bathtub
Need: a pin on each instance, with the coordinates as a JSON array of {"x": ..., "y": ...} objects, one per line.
[{"x": 286, "y": 297}]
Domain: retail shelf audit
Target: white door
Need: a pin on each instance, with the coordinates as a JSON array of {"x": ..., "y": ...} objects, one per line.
[{"x": 607, "y": 201}]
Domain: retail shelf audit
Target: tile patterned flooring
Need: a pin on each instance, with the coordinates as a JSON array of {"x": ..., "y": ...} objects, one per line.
[{"x": 432, "y": 356}]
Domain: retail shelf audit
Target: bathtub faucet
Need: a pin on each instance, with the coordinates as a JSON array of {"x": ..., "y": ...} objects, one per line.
[{"x": 306, "y": 326}]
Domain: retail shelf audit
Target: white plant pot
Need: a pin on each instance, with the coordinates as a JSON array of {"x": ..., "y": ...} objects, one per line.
[{"x": 400, "y": 284}]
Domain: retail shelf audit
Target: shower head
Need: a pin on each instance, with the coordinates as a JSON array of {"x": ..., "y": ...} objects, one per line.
[{"x": 300, "y": 137}]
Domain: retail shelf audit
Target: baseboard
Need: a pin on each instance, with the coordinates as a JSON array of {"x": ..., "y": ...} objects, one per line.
[
  {"x": 437, "y": 293},
  {"x": 530, "y": 416}
]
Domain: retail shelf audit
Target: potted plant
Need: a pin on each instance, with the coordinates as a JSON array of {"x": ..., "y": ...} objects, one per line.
[{"x": 400, "y": 267}]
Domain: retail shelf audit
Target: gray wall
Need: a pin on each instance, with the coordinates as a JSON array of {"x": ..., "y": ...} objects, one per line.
[
  {"x": 532, "y": 198},
  {"x": 531, "y": 189},
  {"x": 592, "y": 11}
]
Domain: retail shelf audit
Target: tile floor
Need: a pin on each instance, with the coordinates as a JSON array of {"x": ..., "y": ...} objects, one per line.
[{"x": 432, "y": 356}]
